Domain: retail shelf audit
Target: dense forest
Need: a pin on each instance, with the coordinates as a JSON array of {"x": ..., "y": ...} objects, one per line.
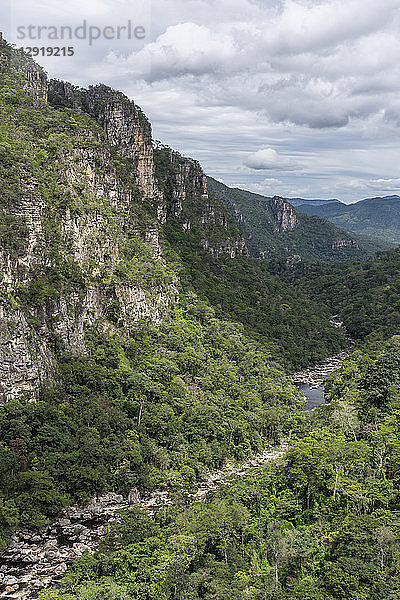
[
  {"x": 376, "y": 217},
  {"x": 144, "y": 347},
  {"x": 161, "y": 408},
  {"x": 367, "y": 294},
  {"x": 321, "y": 524}
]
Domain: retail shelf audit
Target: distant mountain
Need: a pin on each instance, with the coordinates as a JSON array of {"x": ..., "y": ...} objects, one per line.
[
  {"x": 376, "y": 217},
  {"x": 312, "y": 202},
  {"x": 274, "y": 228}
]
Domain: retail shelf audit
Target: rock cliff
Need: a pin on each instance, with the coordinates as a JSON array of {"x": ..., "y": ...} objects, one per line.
[
  {"x": 193, "y": 216},
  {"x": 284, "y": 213},
  {"x": 85, "y": 204}
]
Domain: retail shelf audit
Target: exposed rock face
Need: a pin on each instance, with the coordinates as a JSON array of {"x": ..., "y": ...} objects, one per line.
[
  {"x": 100, "y": 215},
  {"x": 285, "y": 215},
  {"x": 189, "y": 207},
  {"x": 337, "y": 244},
  {"x": 90, "y": 236},
  {"x": 235, "y": 210},
  {"x": 37, "y": 83},
  {"x": 91, "y": 241},
  {"x": 33, "y": 76},
  {"x": 126, "y": 126},
  {"x": 25, "y": 360}
]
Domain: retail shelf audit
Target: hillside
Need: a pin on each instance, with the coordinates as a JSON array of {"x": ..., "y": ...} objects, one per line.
[
  {"x": 320, "y": 524},
  {"x": 275, "y": 229},
  {"x": 119, "y": 348},
  {"x": 375, "y": 217},
  {"x": 367, "y": 295},
  {"x": 145, "y": 355}
]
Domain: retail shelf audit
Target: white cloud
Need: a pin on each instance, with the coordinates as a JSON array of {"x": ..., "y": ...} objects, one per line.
[
  {"x": 184, "y": 49},
  {"x": 268, "y": 159},
  {"x": 316, "y": 81},
  {"x": 385, "y": 185}
]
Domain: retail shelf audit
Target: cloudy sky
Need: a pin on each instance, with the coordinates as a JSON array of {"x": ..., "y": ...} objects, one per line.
[{"x": 290, "y": 97}]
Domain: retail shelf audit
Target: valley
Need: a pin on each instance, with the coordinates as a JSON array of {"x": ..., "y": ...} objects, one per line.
[
  {"x": 374, "y": 217},
  {"x": 33, "y": 561},
  {"x": 155, "y": 329}
]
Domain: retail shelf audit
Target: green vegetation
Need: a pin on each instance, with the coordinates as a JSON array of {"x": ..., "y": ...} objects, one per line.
[
  {"x": 295, "y": 329},
  {"x": 13, "y": 233},
  {"x": 313, "y": 238},
  {"x": 321, "y": 524},
  {"x": 158, "y": 402},
  {"x": 157, "y": 409},
  {"x": 194, "y": 218},
  {"x": 375, "y": 217},
  {"x": 367, "y": 295}
]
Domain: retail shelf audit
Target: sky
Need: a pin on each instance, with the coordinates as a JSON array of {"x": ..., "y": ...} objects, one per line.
[{"x": 287, "y": 97}]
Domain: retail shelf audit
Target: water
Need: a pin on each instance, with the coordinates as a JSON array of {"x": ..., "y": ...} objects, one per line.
[{"x": 315, "y": 396}]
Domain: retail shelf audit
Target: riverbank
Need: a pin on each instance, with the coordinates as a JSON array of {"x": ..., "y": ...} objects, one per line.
[
  {"x": 315, "y": 376},
  {"x": 310, "y": 381},
  {"x": 36, "y": 560}
]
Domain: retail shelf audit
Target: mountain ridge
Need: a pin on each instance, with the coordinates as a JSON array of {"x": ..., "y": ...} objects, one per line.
[
  {"x": 378, "y": 216},
  {"x": 273, "y": 232}
]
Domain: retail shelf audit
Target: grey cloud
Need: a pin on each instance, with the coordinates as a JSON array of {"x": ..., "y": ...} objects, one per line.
[{"x": 317, "y": 80}]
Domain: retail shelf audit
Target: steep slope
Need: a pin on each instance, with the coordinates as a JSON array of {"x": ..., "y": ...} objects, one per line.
[
  {"x": 321, "y": 524},
  {"x": 87, "y": 253},
  {"x": 113, "y": 260},
  {"x": 375, "y": 217},
  {"x": 81, "y": 218},
  {"x": 275, "y": 229}
]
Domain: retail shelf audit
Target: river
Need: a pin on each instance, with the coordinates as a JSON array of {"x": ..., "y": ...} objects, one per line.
[
  {"x": 36, "y": 560},
  {"x": 315, "y": 395},
  {"x": 310, "y": 381}
]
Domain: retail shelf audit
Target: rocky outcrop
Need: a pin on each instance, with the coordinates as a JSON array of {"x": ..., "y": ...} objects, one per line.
[
  {"x": 285, "y": 216},
  {"x": 193, "y": 213},
  {"x": 32, "y": 76},
  {"x": 80, "y": 223},
  {"x": 338, "y": 244},
  {"x": 92, "y": 240},
  {"x": 126, "y": 126},
  {"x": 25, "y": 359}
]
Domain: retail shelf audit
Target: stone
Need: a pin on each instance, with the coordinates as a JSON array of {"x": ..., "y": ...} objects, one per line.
[
  {"x": 133, "y": 496},
  {"x": 60, "y": 569},
  {"x": 25, "y": 579},
  {"x": 10, "y": 580},
  {"x": 11, "y": 588}
]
